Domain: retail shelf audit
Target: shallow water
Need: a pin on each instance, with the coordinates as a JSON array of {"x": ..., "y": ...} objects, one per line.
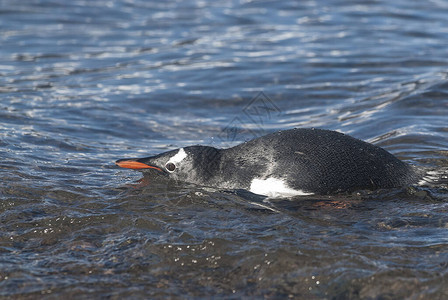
[{"x": 88, "y": 82}]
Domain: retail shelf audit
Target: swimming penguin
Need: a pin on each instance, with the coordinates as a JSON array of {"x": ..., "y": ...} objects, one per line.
[{"x": 284, "y": 164}]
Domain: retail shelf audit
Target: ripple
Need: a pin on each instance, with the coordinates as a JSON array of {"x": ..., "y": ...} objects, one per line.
[{"x": 86, "y": 83}]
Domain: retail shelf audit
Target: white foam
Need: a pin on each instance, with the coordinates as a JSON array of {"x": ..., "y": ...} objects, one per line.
[
  {"x": 274, "y": 188},
  {"x": 180, "y": 156}
]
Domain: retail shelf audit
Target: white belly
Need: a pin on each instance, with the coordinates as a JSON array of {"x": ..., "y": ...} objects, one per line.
[{"x": 274, "y": 188}]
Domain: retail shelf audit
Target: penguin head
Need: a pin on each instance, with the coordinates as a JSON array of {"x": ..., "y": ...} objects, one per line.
[{"x": 190, "y": 164}]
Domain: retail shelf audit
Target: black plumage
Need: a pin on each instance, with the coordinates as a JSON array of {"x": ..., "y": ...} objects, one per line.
[{"x": 307, "y": 160}]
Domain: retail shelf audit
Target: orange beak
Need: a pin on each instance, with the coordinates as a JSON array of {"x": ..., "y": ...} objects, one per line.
[{"x": 132, "y": 164}]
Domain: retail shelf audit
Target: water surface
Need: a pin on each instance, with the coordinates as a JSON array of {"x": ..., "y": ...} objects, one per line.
[{"x": 88, "y": 82}]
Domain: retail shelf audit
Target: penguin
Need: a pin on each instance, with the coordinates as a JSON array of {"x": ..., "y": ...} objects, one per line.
[{"x": 286, "y": 163}]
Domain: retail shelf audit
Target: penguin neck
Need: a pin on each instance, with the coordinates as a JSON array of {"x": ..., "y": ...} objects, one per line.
[
  {"x": 238, "y": 167},
  {"x": 207, "y": 165}
]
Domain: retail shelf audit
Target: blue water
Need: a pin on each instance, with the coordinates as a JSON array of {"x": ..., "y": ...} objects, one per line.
[{"x": 83, "y": 83}]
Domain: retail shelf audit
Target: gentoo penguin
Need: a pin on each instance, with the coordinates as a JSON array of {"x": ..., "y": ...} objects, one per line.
[{"x": 284, "y": 164}]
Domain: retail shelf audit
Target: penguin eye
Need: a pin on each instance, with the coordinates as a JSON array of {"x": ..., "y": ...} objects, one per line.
[{"x": 170, "y": 167}]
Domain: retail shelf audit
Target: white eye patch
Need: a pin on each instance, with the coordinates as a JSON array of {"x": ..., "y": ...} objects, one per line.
[{"x": 180, "y": 156}]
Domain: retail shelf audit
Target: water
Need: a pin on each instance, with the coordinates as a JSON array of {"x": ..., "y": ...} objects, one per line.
[{"x": 88, "y": 82}]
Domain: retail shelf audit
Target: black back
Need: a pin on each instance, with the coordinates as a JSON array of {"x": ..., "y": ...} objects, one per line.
[{"x": 315, "y": 160}]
